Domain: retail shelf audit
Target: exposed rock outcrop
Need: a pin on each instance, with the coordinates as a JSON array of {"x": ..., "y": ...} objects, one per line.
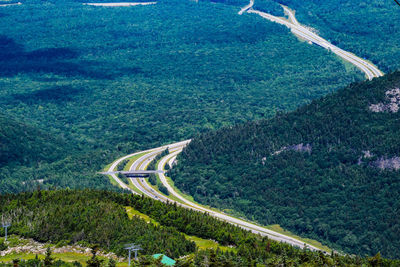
[
  {"x": 392, "y": 102},
  {"x": 32, "y": 247},
  {"x": 307, "y": 148},
  {"x": 388, "y": 163}
]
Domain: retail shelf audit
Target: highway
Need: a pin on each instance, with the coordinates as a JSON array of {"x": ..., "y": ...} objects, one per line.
[
  {"x": 245, "y": 8},
  {"x": 142, "y": 162},
  {"x": 118, "y": 161},
  {"x": 141, "y": 185},
  {"x": 370, "y": 70}
]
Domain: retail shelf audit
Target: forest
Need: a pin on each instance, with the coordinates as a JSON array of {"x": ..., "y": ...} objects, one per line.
[
  {"x": 82, "y": 85},
  {"x": 87, "y": 217},
  {"x": 318, "y": 171},
  {"x": 368, "y": 29},
  {"x": 98, "y": 218}
]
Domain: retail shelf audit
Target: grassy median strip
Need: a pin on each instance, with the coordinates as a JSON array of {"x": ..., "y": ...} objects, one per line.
[{"x": 132, "y": 160}]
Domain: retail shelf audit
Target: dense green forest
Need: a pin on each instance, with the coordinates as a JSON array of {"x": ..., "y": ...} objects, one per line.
[
  {"x": 370, "y": 29},
  {"x": 22, "y": 144},
  {"x": 88, "y": 217},
  {"x": 88, "y": 84},
  {"x": 313, "y": 171},
  {"x": 99, "y": 217},
  {"x": 269, "y": 6}
]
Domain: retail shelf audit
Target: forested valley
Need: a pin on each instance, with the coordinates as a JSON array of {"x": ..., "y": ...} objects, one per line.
[
  {"x": 369, "y": 29},
  {"x": 99, "y": 217},
  {"x": 82, "y": 85},
  {"x": 329, "y": 170}
]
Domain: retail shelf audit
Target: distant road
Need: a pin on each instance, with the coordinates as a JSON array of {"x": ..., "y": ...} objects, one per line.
[
  {"x": 370, "y": 70},
  {"x": 245, "y": 8},
  {"x": 11, "y": 4},
  {"x": 121, "y": 4},
  {"x": 142, "y": 186}
]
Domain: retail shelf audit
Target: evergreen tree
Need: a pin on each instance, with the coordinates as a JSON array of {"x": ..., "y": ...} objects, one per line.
[
  {"x": 48, "y": 260},
  {"x": 111, "y": 263},
  {"x": 94, "y": 261}
]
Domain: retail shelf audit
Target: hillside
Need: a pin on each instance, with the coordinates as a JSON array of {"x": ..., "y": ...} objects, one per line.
[
  {"x": 99, "y": 217},
  {"x": 329, "y": 170},
  {"x": 23, "y": 144},
  {"x": 143, "y": 76},
  {"x": 367, "y": 28}
]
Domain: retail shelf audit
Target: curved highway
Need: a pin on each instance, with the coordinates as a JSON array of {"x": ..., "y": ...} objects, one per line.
[
  {"x": 141, "y": 185},
  {"x": 142, "y": 162},
  {"x": 370, "y": 70}
]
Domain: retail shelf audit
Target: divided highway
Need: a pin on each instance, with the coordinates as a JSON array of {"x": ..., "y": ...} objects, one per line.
[
  {"x": 141, "y": 185},
  {"x": 370, "y": 70}
]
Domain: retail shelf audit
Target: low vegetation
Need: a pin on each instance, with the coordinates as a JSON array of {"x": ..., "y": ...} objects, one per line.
[
  {"x": 87, "y": 216},
  {"x": 101, "y": 217}
]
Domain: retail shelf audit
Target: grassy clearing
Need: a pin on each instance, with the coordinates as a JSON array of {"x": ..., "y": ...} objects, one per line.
[
  {"x": 200, "y": 242},
  {"x": 207, "y": 243},
  {"x": 132, "y": 212},
  {"x": 315, "y": 243}
]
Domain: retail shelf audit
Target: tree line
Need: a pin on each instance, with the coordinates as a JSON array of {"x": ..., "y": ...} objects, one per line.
[{"x": 99, "y": 217}]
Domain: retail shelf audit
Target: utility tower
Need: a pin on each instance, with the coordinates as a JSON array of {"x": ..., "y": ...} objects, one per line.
[
  {"x": 5, "y": 226},
  {"x": 130, "y": 248}
]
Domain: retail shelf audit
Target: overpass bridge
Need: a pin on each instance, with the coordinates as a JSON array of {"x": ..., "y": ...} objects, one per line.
[{"x": 133, "y": 174}]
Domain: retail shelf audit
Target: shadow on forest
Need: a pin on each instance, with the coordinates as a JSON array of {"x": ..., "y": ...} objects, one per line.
[
  {"x": 56, "y": 94},
  {"x": 14, "y": 59}
]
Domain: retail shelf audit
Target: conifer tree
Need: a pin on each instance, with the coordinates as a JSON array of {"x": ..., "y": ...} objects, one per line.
[
  {"x": 48, "y": 260},
  {"x": 94, "y": 261}
]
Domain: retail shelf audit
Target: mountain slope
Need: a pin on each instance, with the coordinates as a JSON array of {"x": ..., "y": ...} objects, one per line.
[
  {"x": 329, "y": 170},
  {"x": 30, "y": 155},
  {"x": 21, "y": 143}
]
